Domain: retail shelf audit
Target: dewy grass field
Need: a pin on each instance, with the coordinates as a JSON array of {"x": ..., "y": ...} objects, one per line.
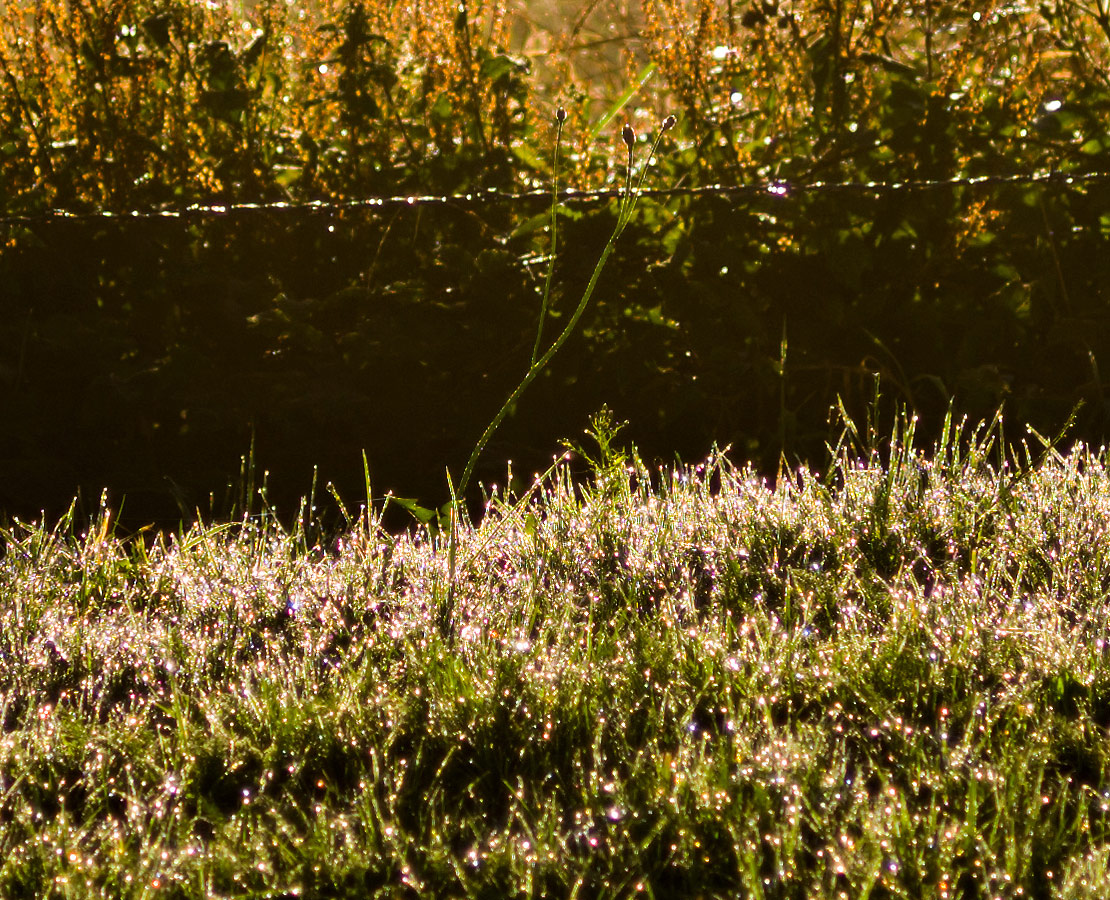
[
  {"x": 889, "y": 679},
  {"x": 885, "y": 679}
]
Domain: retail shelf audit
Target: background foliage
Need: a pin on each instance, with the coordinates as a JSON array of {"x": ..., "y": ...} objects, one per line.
[{"x": 145, "y": 354}]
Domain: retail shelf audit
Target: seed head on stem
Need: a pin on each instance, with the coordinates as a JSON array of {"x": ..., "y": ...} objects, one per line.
[
  {"x": 628, "y": 135},
  {"x": 632, "y": 194}
]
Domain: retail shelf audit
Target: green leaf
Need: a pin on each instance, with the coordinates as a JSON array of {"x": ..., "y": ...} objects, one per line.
[
  {"x": 442, "y": 110},
  {"x": 287, "y": 176},
  {"x": 529, "y": 157},
  {"x": 531, "y": 225},
  {"x": 622, "y": 101},
  {"x": 823, "y": 66},
  {"x": 498, "y": 68},
  {"x": 421, "y": 513}
]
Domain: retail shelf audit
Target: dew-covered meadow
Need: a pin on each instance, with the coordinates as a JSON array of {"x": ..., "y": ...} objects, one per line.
[{"x": 886, "y": 678}]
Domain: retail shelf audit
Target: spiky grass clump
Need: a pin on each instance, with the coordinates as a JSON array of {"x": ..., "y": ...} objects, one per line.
[{"x": 887, "y": 680}]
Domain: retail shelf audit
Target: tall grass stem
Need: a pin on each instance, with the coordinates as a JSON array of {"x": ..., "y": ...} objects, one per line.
[
  {"x": 560, "y": 118},
  {"x": 624, "y": 215}
]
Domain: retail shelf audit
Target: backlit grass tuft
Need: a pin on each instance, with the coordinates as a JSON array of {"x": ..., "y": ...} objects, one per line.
[{"x": 889, "y": 679}]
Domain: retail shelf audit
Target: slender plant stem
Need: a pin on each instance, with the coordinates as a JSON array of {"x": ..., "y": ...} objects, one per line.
[
  {"x": 458, "y": 497},
  {"x": 554, "y": 241},
  {"x": 537, "y": 366},
  {"x": 624, "y": 215}
]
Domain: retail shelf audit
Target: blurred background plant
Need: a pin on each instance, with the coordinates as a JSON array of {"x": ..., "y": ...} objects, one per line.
[
  {"x": 958, "y": 262},
  {"x": 891, "y": 91},
  {"x": 140, "y": 102},
  {"x": 134, "y": 104}
]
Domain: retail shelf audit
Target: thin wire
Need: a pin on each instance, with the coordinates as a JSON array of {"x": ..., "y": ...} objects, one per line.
[{"x": 491, "y": 196}]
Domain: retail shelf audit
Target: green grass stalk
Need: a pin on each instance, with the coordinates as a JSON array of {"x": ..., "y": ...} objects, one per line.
[
  {"x": 885, "y": 680},
  {"x": 560, "y": 118},
  {"x": 626, "y": 208}
]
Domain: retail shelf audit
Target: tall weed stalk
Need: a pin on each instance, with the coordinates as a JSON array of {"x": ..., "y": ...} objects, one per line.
[{"x": 628, "y": 200}]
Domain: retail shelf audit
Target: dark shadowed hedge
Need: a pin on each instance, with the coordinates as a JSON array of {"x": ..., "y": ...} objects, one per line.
[{"x": 144, "y": 354}]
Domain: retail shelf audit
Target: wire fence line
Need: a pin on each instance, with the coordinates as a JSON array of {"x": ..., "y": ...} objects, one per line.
[{"x": 774, "y": 188}]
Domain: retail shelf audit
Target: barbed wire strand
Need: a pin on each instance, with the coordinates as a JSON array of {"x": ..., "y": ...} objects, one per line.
[{"x": 780, "y": 189}]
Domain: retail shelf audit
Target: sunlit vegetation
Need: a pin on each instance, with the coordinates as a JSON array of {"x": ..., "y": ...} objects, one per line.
[
  {"x": 966, "y": 259},
  {"x": 137, "y": 104},
  {"x": 883, "y": 676},
  {"x": 886, "y": 679}
]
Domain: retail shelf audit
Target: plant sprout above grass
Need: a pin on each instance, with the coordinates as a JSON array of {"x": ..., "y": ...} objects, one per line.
[{"x": 628, "y": 201}]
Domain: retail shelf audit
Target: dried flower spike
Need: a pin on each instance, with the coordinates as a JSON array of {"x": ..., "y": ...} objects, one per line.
[
  {"x": 668, "y": 123},
  {"x": 629, "y": 136},
  {"x": 561, "y": 115}
]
